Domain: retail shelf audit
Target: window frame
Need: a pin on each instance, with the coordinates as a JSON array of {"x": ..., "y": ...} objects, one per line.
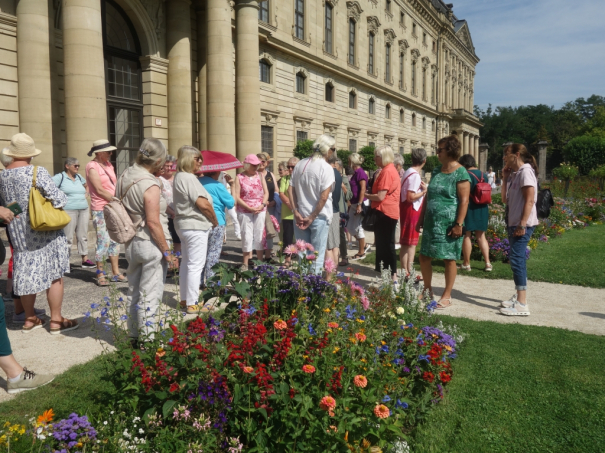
[
  {"x": 371, "y": 45},
  {"x": 353, "y": 141},
  {"x": 299, "y": 19},
  {"x": 387, "y": 111},
  {"x": 353, "y": 97},
  {"x": 352, "y": 40},
  {"x": 263, "y": 8},
  {"x": 301, "y": 77},
  {"x": 329, "y": 31},
  {"x": 267, "y": 63},
  {"x": 332, "y": 89},
  {"x": 414, "y": 64},
  {"x": 413, "y": 119},
  {"x": 372, "y": 106},
  {"x": 401, "y": 115},
  {"x": 263, "y": 141},
  {"x": 387, "y": 63}
]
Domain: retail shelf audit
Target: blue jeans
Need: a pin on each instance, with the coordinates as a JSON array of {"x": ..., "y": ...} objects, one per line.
[
  {"x": 516, "y": 256},
  {"x": 317, "y": 235}
]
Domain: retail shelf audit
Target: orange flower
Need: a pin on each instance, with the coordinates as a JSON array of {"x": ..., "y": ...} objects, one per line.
[
  {"x": 248, "y": 369},
  {"x": 333, "y": 428},
  {"x": 327, "y": 403},
  {"x": 360, "y": 381},
  {"x": 333, "y": 325},
  {"x": 360, "y": 336},
  {"x": 280, "y": 325},
  {"x": 46, "y": 417},
  {"x": 308, "y": 368},
  {"x": 381, "y": 411}
]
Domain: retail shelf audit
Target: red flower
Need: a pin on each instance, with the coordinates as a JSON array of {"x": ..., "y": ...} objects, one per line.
[
  {"x": 174, "y": 387},
  {"x": 428, "y": 376},
  {"x": 445, "y": 377}
]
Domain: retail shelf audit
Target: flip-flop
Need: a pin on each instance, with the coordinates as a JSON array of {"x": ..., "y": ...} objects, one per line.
[{"x": 440, "y": 306}]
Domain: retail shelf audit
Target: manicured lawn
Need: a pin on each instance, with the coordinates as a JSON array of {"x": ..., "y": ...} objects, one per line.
[
  {"x": 576, "y": 258},
  {"x": 520, "y": 389}
]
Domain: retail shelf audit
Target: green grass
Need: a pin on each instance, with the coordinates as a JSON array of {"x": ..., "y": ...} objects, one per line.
[
  {"x": 575, "y": 258},
  {"x": 520, "y": 389}
]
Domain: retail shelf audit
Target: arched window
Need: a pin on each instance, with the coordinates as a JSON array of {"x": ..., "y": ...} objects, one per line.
[
  {"x": 301, "y": 80},
  {"x": 433, "y": 87},
  {"x": 401, "y": 60},
  {"x": 352, "y": 41},
  {"x": 123, "y": 84},
  {"x": 387, "y": 111},
  {"x": 424, "y": 84},
  {"x": 414, "y": 119},
  {"x": 352, "y": 100},
  {"x": 401, "y": 115},
  {"x": 264, "y": 71},
  {"x": 371, "y": 106},
  {"x": 371, "y": 54},
  {"x": 433, "y": 125},
  {"x": 329, "y": 92}
]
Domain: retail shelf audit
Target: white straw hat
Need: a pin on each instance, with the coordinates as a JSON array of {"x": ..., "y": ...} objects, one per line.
[
  {"x": 101, "y": 145},
  {"x": 21, "y": 147}
]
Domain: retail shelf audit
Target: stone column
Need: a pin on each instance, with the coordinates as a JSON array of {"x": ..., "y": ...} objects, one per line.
[
  {"x": 465, "y": 149},
  {"x": 542, "y": 148},
  {"x": 178, "y": 44},
  {"x": 476, "y": 149},
  {"x": 483, "y": 149},
  {"x": 247, "y": 84},
  {"x": 220, "y": 124},
  {"x": 33, "y": 72},
  {"x": 84, "y": 69},
  {"x": 201, "y": 71}
]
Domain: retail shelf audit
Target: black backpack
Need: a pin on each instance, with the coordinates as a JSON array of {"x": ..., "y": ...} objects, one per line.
[{"x": 544, "y": 203}]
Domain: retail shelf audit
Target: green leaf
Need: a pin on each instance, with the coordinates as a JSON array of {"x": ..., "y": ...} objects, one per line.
[
  {"x": 264, "y": 412},
  {"x": 237, "y": 393},
  {"x": 168, "y": 405}
]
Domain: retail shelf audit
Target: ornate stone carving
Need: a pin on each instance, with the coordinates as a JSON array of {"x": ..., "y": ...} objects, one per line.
[
  {"x": 300, "y": 69},
  {"x": 425, "y": 62},
  {"x": 268, "y": 57},
  {"x": 373, "y": 24},
  {"x": 330, "y": 129},
  {"x": 415, "y": 54},
  {"x": 434, "y": 69},
  {"x": 389, "y": 35},
  {"x": 354, "y": 10},
  {"x": 403, "y": 45}
]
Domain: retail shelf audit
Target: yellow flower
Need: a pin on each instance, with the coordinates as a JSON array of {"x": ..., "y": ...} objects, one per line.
[
  {"x": 335, "y": 350},
  {"x": 383, "y": 342},
  {"x": 327, "y": 310},
  {"x": 360, "y": 321},
  {"x": 364, "y": 360}
]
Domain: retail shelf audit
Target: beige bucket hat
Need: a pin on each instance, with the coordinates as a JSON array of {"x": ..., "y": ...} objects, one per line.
[
  {"x": 101, "y": 145},
  {"x": 21, "y": 147}
]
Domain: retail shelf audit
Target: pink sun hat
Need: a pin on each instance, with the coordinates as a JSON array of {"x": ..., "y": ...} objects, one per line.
[{"x": 252, "y": 159}]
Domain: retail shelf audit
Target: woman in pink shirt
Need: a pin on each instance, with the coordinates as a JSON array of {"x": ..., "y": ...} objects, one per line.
[{"x": 101, "y": 179}]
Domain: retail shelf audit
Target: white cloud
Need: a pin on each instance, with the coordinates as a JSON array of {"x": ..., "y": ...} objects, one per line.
[{"x": 536, "y": 52}]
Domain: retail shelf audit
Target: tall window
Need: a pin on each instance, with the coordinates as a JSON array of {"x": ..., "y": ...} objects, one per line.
[
  {"x": 401, "y": 18},
  {"x": 300, "y": 83},
  {"x": 387, "y": 60},
  {"x": 265, "y": 71},
  {"x": 446, "y": 98},
  {"x": 401, "y": 59},
  {"x": 301, "y": 136},
  {"x": 453, "y": 91},
  {"x": 267, "y": 139},
  {"x": 433, "y": 87},
  {"x": 263, "y": 11},
  {"x": 433, "y": 126},
  {"x": 299, "y": 18},
  {"x": 388, "y": 6},
  {"x": 329, "y": 92},
  {"x": 414, "y": 77},
  {"x": 352, "y": 100},
  {"x": 414, "y": 119},
  {"x": 424, "y": 38},
  {"x": 424, "y": 83},
  {"x": 352, "y": 145},
  {"x": 401, "y": 115},
  {"x": 414, "y": 29},
  {"x": 372, "y": 144},
  {"x": 387, "y": 112},
  {"x": 401, "y": 150},
  {"x": 328, "y": 28},
  {"x": 371, "y": 106},
  {"x": 371, "y": 54},
  {"x": 351, "y": 41},
  {"x": 424, "y": 123}
]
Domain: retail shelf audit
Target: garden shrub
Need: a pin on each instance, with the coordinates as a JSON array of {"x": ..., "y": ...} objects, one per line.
[
  {"x": 303, "y": 149},
  {"x": 599, "y": 174},
  {"x": 585, "y": 152},
  {"x": 431, "y": 163},
  {"x": 367, "y": 152},
  {"x": 343, "y": 154}
]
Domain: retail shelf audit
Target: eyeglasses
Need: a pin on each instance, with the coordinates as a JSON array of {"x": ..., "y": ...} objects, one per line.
[
  {"x": 77, "y": 166},
  {"x": 291, "y": 167},
  {"x": 198, "y": 159}
]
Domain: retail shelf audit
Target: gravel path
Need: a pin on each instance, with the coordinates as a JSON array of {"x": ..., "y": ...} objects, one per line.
[{"x": 564, "y": 306}]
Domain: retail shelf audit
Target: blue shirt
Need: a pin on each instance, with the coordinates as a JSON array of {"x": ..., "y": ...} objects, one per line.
[
  {"x": 75, "y": 191},
  {"x": 221, "y": 199}
]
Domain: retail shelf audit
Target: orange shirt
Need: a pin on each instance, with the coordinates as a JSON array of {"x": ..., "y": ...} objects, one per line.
[{"x": 388, "y": 180}]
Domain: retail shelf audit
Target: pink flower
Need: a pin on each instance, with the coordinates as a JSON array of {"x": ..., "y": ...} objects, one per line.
[
  {"x": 310, "y": 256},
  {"x": 333, "y": 325},
  {"x": 365, "y": 302},
  {"x": 327, "y": 403},
  {"x": 291, "y": 250},
  {"x": 308, "y": 369},
  {"x": 381, "y": 411},
  {"x": 280, "y": 325},
  {"x": 310, "y": 247},
  {"x": 329, "y": 266},
  {"x": 248, "y": 369},
  {"x": 301, "y": 245},
  {"x": 360, "y": 381}
]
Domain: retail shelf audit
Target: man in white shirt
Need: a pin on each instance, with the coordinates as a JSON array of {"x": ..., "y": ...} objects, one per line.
[{"x": 310, "y": 194}]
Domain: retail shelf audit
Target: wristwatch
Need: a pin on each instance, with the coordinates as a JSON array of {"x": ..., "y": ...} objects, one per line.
[{"x": 458, "y": 224}]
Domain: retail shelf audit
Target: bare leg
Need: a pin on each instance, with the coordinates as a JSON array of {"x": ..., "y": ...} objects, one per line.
[
  {"x": 54, "y": 294},
  {"x": 10, "y": 366},
  {"x": 450, "y": 278},
  {"x": 522, "y": 297},
  {"x": 28, "y": 302},
  {"x": 84, "y": 258},
  {"x": 406, "y": 257},
  {"x": 259, "y": 255},
  {"x": 483, "y": 245},
  {"x": 115, "y": 269},
  {"x": 247, "y": 256},
  {"x": 9, "y": 286},
  {"x": 427, "y": 273},
  {"x": 467, "y": 247},
  {"x": 18, "y": 305},
  {"x": 362, "y": 245}
]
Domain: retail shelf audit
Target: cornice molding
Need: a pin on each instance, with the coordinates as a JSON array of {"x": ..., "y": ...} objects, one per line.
[{"x": 153, "y": 63}]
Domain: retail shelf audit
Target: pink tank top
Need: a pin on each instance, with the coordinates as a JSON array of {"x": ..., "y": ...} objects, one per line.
[
  {"x": 108, "y": 182},
  {"x": 251, "y": 191}
]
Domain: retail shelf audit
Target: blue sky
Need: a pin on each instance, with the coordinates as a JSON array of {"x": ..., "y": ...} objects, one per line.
[{"x": 536, "y": 51}]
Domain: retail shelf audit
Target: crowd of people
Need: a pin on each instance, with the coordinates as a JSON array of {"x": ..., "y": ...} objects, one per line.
[{"x": 180, "y": 215}]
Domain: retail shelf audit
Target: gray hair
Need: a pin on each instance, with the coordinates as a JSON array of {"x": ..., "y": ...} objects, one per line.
[
  {"x": 186, "y": 156},
  {"x": 332, "y": 160},
  {"x": 386, "y": 153},
  {"x": 170, "y": 158},
  {"x": 339, "y": 163},
  {"x": 70, "y": 161},
  {"x": 356, "y": 159},
  {"x": 4, "y": 159},
  {"x": 150, "y": 152},
  {"x": 294, "y": 160},
  {"x": 418, "y": 156},
  {"x": 322, "y": 145},
  {"x": 398, "y": 160}
]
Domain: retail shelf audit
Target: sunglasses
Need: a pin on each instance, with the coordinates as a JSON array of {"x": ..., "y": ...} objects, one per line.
[
  {"x": 199, "y": 159},
  {"x": 291, "y": 167},
  {"x": 77, "y": 166}
]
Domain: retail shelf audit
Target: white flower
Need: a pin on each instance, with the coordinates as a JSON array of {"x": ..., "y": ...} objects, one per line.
[
  {"x": 105, "y": 422},
  {"x": 141, "y": 431},
  {"x": 391, "y": 315},
  {"x": 400, "y": 310}
]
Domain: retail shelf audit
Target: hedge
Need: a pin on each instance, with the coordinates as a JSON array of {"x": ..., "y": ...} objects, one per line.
[{"x": 585, "y": 152}]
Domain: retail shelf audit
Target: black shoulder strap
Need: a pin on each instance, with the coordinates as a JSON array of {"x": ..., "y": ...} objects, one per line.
[{"x": 62, "y": 177}]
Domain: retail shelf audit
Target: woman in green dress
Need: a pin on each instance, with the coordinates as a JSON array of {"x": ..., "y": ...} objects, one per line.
[
  {"x": 442, "y": 217},
  {"x": 476, "y": 218}
]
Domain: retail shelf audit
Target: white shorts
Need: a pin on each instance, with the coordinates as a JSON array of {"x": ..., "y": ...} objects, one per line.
[
  {"x": 252, "y": 226},
  {"x": 354, "y": 223}
]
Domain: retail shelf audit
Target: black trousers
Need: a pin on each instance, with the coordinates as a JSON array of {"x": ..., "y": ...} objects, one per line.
[
  {"x": 343, "y": 244},
  {"x": 288, "y": 230},
  {"x": 384, "y": 238}
]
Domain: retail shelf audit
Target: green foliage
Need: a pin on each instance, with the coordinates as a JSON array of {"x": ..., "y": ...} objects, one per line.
[
  {"x": 599, "y": 174},
  {"x": 343, "y": 154},
  {"x": 586, "y": 152},
  {"x": 566, "y": 171},
  {"x": 303, "y": 149},
  {"x": 407, "y": 160},
  {"x": 367, "y": 152},
  {"x": 431, "y": 163}
]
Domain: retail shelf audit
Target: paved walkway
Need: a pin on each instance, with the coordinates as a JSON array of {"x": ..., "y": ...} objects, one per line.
[{"x": 568, "y": 307}]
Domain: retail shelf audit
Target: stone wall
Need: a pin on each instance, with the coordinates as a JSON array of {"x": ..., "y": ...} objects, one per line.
[{"x": 9, "y": 104}]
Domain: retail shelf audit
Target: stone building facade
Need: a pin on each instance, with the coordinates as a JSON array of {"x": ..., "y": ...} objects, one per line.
[{"x": 237, "y": 77}]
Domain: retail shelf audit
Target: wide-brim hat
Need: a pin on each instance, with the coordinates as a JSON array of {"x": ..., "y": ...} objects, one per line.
[
  {"x": 21, "y": 146},
  {"x": 101, "y": 145}
]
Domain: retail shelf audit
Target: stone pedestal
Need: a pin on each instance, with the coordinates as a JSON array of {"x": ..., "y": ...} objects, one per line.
[
  {"x": 220, "y": 124},
  {"x": 483, "y": 152},
  {"x": 84, "y": 69},
  {"x": 34, "y": 73},
  {"x": 178, "y": 42},
  {"x": 247, "y": 84},
  {"x": 542, "y": 149},
  {"x": 201, "y": 73}
]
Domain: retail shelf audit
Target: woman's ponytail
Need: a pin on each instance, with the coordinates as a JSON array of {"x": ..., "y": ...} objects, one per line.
[{"x": 526, "y": 157}]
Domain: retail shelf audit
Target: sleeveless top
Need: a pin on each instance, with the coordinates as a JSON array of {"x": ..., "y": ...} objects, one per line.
[
  {"x": 269, "y": 179},
  {"x": 251, "y": 191}
]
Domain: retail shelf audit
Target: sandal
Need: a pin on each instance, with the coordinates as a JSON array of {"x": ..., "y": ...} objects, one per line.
[
  {"x": 120, "y": 278},
  {"x": 65, "y": 326},
  {"x": 102, "y": 280},
  {"x": 488, "y": 267},
  {"x": 37, "y": 324},
  {"x": 419, "y": 279},
  {"x": 344, "y": 262},
  {"x": 464, "y": 267},
  {"x": 357, "y": 256},
  {"x": 440, "y": 306}
]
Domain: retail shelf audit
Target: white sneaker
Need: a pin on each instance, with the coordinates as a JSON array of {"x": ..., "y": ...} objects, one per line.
[
  {"x": 517, "y": 309},
  {"x": 510, "y": 302}
]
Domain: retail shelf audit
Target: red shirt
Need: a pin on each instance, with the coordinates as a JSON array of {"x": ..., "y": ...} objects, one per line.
[{"x": 388, "y": 180}]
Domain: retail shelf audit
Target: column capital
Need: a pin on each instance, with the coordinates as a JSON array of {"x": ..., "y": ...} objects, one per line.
[{"x": 250, "y": 3}]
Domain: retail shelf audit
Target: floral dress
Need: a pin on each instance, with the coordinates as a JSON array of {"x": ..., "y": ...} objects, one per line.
[
  {"x": 40, "y": 256},
  {"x": 440, "y": 214},
  {"x": 251, "y": 191}
]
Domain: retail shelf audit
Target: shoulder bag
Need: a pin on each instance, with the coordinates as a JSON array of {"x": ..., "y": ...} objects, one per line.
[{"x": 43, "y": 216}]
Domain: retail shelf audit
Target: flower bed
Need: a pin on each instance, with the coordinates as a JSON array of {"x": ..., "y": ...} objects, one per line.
[{"x": 294, "y": 363}]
